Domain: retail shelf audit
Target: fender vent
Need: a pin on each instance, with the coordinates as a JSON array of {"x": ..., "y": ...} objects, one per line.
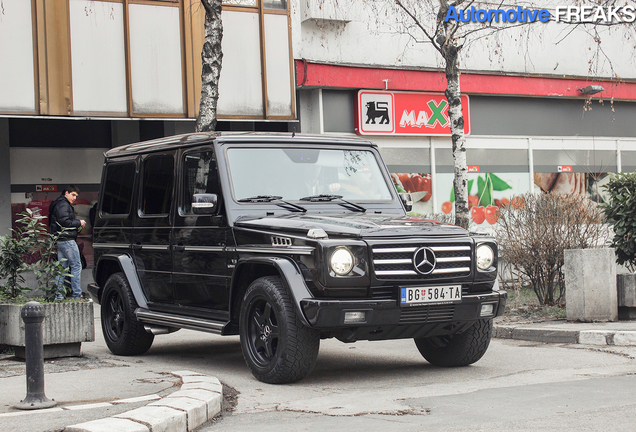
[{"x": 281, "y": 241}]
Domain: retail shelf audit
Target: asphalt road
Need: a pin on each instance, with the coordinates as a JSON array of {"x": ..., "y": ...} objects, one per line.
[{"x": 388, "y": 385}]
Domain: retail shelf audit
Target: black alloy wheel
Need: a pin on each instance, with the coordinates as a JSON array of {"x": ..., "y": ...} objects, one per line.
[
  {"x": 124, "y": 335},
  {"x": 262, "y": 332},
  {"x": 276, "y": 346},
  {"x": 114, "y": 316}
]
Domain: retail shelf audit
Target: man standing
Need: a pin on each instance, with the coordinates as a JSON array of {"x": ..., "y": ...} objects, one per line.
[{"x": 62, "y": 215}]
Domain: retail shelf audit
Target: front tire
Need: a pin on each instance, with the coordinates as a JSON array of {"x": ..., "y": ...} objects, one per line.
[
  {"x": 276, "y": 346},
  {"x": 123, "y": 334},
  {"x": 460, "y": 349}
]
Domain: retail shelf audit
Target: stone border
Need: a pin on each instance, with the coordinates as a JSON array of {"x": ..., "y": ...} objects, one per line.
[
  {"x": 547, "y": 335},
  {"x": 198, "y": 400}
]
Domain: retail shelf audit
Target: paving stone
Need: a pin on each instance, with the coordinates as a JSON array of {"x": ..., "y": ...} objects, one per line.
[
  {"x": 160, "y": 419},
  {"x": 197, "y": 410},
  {"x": 212, "y": 399},
  {"x": 502, "y": 332},
  {"x": 544, "y": 335},
  {"x": 216, "y": 388},
  {"x": 593, "y": 337},
  {"x": 625, "y": 338},
  {"x": 109, "y": 424}
]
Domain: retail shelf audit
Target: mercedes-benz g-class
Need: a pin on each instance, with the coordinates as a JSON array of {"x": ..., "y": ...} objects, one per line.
[{"x": 284, "y": 240}]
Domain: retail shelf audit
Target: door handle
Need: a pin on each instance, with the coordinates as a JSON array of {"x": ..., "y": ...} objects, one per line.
[
  {"x": 179, "y": 248},
  {"x": 137, "y": 246}
]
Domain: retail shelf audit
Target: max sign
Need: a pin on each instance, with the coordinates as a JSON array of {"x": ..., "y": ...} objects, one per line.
[{"x": 406, "y": 113}]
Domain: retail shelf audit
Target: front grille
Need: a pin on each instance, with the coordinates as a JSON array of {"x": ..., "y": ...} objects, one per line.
[
  {"x": 427, "y": 314},
  {"x": 395, "y": 261}
]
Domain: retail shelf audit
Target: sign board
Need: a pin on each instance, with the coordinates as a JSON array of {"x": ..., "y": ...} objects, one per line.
[
  {"x": 473, "y": 169},
  {"x": 564, "y": 168},
  {"x": 46, "y": 188},
  {"x": 406, "y": 113}
]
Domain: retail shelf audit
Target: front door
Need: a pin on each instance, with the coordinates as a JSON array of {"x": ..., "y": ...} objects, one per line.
[{"x": 199, "y": 259}]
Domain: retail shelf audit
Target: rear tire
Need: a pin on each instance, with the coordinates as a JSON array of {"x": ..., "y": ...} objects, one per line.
[
  {"x": 276, "y": 346},
  {"x": 460, "y": 349},
  {"x": 124, "y": 335}
]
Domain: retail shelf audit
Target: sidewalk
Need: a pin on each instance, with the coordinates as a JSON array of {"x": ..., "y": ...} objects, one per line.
[{"x": 100, "y": 392}]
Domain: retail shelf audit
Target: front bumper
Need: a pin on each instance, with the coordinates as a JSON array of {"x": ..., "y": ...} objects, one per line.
[{"x": 330, "y": 314}]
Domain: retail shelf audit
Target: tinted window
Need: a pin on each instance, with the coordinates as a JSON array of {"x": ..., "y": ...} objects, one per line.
[
  {"x": 118, "y": 189},
  {"x": 157, "y": 185},
  {"x": 200, "y": 176}
]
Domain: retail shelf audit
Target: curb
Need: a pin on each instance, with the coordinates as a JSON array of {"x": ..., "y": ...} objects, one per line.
[
  {"x": 546, "y": 335},
  {"x": 198, "y": 400}
]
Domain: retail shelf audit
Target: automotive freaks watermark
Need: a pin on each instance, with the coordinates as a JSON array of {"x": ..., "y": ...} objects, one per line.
[{"x": 569, "y": 14}]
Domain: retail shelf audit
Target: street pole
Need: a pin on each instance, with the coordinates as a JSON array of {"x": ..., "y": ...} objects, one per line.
[{"x": 33, "y": 314}]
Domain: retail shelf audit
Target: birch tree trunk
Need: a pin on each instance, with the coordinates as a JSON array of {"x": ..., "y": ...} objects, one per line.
[
  {"x": 456, "y": 116},
  {"x": 211, "y": 57}
]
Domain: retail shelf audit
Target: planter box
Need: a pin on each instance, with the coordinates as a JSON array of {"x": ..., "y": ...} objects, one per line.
[
  {"x": 626, "y": 287},
  {"x": 65, "y": 327},
  {"x": 590, "y": 281}
]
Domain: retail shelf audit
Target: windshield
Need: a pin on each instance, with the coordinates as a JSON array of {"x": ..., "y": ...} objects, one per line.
[{"x": 293, "y": 173}]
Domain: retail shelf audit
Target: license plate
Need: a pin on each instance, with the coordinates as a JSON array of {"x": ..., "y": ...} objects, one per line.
[{"x": 424, "y": 295}]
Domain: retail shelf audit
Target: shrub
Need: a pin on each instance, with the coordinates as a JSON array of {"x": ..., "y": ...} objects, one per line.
[
  {"x": 30, "y": 247},
  {"x": 12, "y": 265},
  {"x": 620, "y": 212},
  {"x": 533, "y": 236}
]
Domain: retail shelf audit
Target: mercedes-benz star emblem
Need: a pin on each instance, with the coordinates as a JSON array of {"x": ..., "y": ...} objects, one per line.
[{"x": 424, "y": 260}]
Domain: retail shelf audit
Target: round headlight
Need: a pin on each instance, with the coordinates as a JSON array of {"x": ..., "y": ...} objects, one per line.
[
  {"x": 341, "y": 261},
  {"x": 485, "y": 257}
]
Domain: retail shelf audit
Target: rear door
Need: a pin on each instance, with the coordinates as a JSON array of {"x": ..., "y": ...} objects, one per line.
[
  {"x": 113, "y": 229},
  {"x": 199, "y": 259},
  {"x": 152, "y": 234}
]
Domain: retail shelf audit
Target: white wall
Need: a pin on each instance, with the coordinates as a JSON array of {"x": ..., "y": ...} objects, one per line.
[{"x": 350, "y": 31}]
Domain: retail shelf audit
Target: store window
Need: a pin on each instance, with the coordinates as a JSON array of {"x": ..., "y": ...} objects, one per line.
[
  {"x": 628, "y": 161},
  {"x": 498, "y": 170},
  {"x": 338, "y": 112},
  {"x": 257, "y": 60}
]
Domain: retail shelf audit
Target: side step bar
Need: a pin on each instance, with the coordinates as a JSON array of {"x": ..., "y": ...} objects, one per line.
[{"x": 170, "y": 320}]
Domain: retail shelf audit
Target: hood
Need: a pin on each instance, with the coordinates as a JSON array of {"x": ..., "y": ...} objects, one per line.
[{"x": 353, "y": 225}]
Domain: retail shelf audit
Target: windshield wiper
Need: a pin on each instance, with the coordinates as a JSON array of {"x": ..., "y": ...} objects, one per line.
[
  {"x": 327, "y": 197},
  {"x": 270, "y": 198}
]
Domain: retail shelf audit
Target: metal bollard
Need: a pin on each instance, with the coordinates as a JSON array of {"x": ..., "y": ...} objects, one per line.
[{"x": 33, "y": 314}]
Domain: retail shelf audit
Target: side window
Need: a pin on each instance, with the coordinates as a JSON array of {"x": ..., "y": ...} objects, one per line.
[
  {"x": 118, "y": 188},
  {"x": 156, "y": 193},
  {"x": 200, "y": 176}
]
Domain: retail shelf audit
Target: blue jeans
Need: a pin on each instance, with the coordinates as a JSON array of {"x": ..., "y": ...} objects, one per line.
[{"x": 70, "y": 251}]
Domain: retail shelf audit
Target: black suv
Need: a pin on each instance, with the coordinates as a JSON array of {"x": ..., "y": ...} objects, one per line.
[{"x": 284, "y": 240}]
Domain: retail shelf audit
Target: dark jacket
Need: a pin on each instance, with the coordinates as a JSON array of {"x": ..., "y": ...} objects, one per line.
[{"x": 61, "y": 213}]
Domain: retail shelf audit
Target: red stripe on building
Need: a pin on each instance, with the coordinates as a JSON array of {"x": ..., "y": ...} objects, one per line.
[{"x": 336, "y": 76}]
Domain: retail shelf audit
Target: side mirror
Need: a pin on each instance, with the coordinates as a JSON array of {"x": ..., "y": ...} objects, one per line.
[
  {"x": 407, "y": 200},
  {"x": 203, "y": 204}
]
